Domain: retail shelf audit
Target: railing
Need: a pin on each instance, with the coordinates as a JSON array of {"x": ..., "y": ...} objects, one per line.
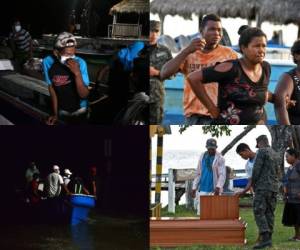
[
  {"x": 156, "y": 211},
  {"x": 124, "y": 30}
]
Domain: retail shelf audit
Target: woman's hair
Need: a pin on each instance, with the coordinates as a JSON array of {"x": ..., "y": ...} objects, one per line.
[
  {"x": 242, "y": 28},
  {"x": 293, "y": 152},
  {"x": 248, "y": 34},
  {"x": 295, "y": 49}
]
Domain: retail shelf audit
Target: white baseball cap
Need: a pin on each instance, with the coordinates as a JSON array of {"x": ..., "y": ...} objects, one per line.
[
  {"x": 67, "y": 171},
  {"x": 55, "y": 167}
]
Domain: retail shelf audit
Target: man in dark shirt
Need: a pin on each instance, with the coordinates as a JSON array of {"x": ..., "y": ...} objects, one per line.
[
  {"x": 68, "y": 80},
  {"x": 21, "y": 43}
]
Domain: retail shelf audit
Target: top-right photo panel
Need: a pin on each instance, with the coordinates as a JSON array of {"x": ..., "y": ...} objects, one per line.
[{"x": 224, "y": 62}]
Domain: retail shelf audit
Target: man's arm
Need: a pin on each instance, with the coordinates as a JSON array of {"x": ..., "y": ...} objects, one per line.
[
  {"x": 283, "y": 89},
  {"x": 53, "y": 118},
  {"x": 172, "y": 66},
  {"x": 82, "y": 90},
  {"x": 197, "y": 178},
  {"x": 247, "y": 188}
]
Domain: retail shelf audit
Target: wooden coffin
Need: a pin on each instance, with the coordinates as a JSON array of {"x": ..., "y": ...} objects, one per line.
[
  {"x": 170, "y": 232},
  {"x": 219, "y": 207}
]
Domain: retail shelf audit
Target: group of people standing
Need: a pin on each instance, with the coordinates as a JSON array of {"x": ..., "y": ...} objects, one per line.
[
  {"x": 264, "y": 177},
  {"x": 55, "y": 185},
  {"x": 222, "y": 86}
]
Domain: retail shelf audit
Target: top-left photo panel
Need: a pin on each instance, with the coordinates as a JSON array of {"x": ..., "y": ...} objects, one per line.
[{"x": 74, "y": 62}]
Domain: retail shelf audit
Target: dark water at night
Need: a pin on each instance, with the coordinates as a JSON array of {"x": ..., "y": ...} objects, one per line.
[{"x": 98, "y": 233}]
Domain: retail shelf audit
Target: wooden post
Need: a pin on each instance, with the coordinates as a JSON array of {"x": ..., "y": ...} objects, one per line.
[
  {"x": 188, "y": 194},
  {"x": 162, "y": 19},
  {"x": 171, "y": 192},
  {"x": 159, "y": 166}
]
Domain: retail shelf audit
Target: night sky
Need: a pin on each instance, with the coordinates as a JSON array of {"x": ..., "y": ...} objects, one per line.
[
  {"x": 51, "y": 16},
  {"x": 78, "y": 148}
]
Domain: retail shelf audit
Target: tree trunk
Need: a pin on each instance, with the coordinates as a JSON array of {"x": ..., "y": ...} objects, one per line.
[
  {"x": 237, "y": 138},
  {"x": 281, "y": 140}
]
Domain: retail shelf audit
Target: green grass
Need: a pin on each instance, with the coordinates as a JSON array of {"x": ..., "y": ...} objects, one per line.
[{"x": 280, "y": 236}]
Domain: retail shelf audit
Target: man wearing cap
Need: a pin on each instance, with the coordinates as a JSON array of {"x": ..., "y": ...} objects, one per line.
[
  {"x": 54, "y": 182},
  {"x": 68, "y": 80},
  {"x": 159, "y": 55},
  {"x": 265, "y": 185},
  {"x": 67, "y": 176},
  {"x": 210, "y": 173}
]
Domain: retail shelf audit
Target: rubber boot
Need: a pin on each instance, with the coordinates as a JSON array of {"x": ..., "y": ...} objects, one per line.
[{"x": 264, "y": 242}]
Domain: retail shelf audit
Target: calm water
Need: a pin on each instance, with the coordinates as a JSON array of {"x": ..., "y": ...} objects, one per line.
[{"x": 98, "y": 233}]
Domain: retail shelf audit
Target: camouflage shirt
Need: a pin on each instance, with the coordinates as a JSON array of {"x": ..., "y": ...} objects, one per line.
[
  {"x": 159, "y": 55},
  {"x": 266, "y": 170}
]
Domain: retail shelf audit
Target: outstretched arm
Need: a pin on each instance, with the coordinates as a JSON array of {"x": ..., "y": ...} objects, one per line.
[
  {"x": 283, "y": 89},
  {"x": 172, "y": 66}
]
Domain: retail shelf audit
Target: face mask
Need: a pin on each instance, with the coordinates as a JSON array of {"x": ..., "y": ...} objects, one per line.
[
  {"x": 63, "y": 59},
  {"x": 18, "y": 28}
]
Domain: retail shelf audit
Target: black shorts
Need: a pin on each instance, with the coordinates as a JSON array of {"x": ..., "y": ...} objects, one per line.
[{"x": 291, "y": 214}]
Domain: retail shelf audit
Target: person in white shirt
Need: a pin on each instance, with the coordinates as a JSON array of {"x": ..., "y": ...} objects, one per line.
[
  {"x": 210, "y": 173},
  {"x": 54, "y": 183},
  {"x": 246, "y": 153}
]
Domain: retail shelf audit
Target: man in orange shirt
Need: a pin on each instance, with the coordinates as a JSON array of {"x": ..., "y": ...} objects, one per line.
[{"x": 201, "y": 53}]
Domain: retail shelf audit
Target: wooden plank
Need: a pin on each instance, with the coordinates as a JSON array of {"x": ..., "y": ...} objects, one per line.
[{"x": 185, "y": 174}]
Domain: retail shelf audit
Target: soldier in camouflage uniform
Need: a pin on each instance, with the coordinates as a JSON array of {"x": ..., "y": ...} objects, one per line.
[
  {"x": 265, "y": 184},
  {"x": 159, "y": 55}
]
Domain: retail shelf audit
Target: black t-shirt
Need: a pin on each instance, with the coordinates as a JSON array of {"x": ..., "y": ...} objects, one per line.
[
  {"x": 294, "y": 112},
  {"x": 63, "y": 82},
  {"x": 240, "y": 99}
]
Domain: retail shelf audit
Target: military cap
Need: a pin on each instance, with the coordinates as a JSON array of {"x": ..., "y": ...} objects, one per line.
[
  {"x": 262, "y": 138},
  {"x": 154, "y": 25},
  {"x": 211, "y": 143}
]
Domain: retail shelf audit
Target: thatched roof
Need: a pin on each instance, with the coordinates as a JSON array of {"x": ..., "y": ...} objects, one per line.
[
  {"x": 129, "y": 6},
  {"x": 277, "y": 11},
  {"x": 281, "y": 12},
  {"x": 224, "y": 8}
]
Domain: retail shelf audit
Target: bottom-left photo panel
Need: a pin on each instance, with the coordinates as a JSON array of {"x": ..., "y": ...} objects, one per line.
[{"x": 74, "y": 188}]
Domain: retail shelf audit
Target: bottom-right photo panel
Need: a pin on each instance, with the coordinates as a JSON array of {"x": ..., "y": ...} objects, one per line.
[{"x": 224, "y": 187}]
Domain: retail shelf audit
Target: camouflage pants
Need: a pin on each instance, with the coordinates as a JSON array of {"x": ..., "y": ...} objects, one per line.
[
  {"x": 157, "y": 94},
  {"x": 264, "y": 205}
]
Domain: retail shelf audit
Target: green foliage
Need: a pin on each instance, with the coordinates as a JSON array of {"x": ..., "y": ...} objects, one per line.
[
  {"x": 217, "y": 130},
  {"x": 214, "y": 130}
]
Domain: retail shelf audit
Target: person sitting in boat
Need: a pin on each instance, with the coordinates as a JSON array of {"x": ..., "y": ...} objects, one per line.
[
  {"x": 34, "y": 196},
  {"x": 54, "y": 184},
  {"x": 21, "y": 43},
  {"x": 289, "y": 85},
  {"x": 68, "y": 80},
  {"x": 92, "y": 181},
  {"x": 30, "y": 171},
  {"x": 67, "y": 176},
  {"x": 77, "y": 186},
  {"x": 243, "y": 83}
]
